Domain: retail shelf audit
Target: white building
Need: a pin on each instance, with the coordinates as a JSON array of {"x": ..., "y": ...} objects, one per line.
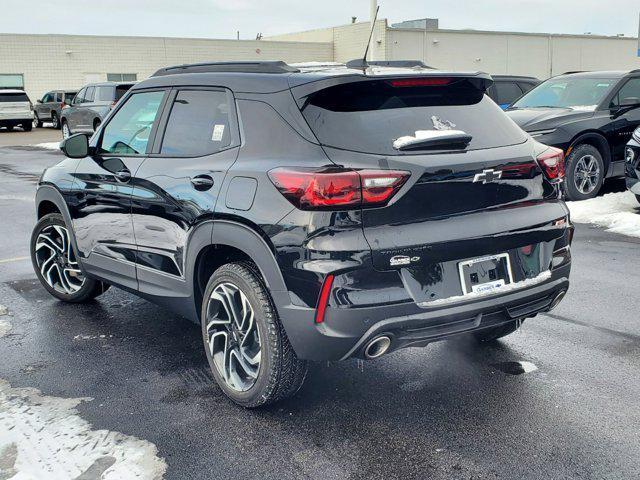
[{"x": 44, "y": 62}]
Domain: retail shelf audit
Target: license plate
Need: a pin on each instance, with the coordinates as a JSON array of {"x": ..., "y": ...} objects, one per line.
[{"x": 485, "y": 275}]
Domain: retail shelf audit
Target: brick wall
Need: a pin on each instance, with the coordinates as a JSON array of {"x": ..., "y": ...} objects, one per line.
[{"x": 69, "y": 61}]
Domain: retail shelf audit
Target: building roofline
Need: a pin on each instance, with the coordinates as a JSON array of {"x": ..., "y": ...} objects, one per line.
[
  {"x": 499, "y": 32},
  {"x": 139, "y": 37}
]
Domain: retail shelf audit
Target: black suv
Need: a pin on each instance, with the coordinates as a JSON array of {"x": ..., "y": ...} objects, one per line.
[
  {"x": 590, "y": 116},
  {"x": 506, "y": 89},
  {"x": 309, "y": 214}
]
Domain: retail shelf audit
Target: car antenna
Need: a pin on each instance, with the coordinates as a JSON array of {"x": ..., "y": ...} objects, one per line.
[{"x": 373, "y": 26}]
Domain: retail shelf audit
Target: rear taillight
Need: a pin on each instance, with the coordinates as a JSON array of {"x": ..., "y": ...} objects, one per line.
[
  {"x": 420, "y": 82},
  {"x": 552, "y": 163},
  {"x": 323, "y": 299},
  {"x": 337, "y": 188}
]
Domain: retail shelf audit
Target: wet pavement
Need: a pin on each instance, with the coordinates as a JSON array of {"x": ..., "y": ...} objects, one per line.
[{"x": 559, "y": 399}]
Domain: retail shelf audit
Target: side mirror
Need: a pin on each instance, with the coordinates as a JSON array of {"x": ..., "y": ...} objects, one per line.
[
  {"x": 76, "y": 146},
  {"x": 39, "y": 101},
  {"x": 630, "y": 102}
]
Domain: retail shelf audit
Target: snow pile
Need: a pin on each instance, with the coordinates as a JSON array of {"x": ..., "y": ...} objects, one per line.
[
  {"x": 48, "y": 145},
  {"x": 44, "y": 437},
  {"x": 398, "y": 143},
  {"x": 617, "y": 212}
]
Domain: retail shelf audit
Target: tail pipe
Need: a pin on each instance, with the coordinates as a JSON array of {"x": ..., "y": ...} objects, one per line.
[{"x": 377, "y": 347}]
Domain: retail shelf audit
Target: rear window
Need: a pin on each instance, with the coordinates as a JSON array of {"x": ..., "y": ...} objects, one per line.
[
  {"x": 13, "y": 97},
  {"x": 369, "y": 116}
]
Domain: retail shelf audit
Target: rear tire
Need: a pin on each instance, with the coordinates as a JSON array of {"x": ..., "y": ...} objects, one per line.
[
  {"x": 36, "y": 121},
  {"x": 638, "y": 198},
  {"x": 27, "y": 127},
  {"x": 247, "y": 348},
  {"x": 492, "y": 334},
  {"x": 55, "y": 263},
  {"x": 584, "y": 173}
]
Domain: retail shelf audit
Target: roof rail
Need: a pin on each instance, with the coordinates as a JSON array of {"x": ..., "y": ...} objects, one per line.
[
  {"x": 359, "y": 63},
  {"x": 574, "y": 71},
  {"x": 637, "y": 70},
  {"x": 235, "y": 67}
]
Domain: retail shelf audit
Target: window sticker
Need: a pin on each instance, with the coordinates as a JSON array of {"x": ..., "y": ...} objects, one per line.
[{"x": 218, "y": 131}]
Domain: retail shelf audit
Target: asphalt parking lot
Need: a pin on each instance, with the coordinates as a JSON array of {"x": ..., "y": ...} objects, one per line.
[{"x": 451, "y": 410}]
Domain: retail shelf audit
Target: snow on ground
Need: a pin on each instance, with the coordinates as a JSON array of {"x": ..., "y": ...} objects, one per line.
[
  {"x": 617, "y": 212},
  {"x": 44, "y": 437},
  {"x": 48, "y": 145}
]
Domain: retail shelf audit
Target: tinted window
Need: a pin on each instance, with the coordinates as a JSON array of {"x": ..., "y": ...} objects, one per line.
[
  {"x": 13, "y": 97},
  {"x": 88, "y": 96},
  {"x": 68, "y": 97},
  {"x": 507, "y": 92},
  {"x": 121, "y": 90},
  {"x": 104, "y": 94},
  {"x": 525, "y": 86},
  {"x": 567, "y": 92},
  {"x": 48, "y": 97},
  {"x": 128, "y": 131},
  {"x": 369, "y": 116},
  {"x": 198, "y": 124},
  {"x": 631, "y": 89}
]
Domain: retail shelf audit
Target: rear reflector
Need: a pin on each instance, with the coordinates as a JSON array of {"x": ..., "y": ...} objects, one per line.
[
  {"x": 420, "y": 82},
  {"x": 337, "y": 188},
  {"x": 552, "y": 163},
  {"x": 323, "y": 300}
]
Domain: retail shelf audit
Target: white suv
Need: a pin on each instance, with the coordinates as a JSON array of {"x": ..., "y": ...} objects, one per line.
[{"x": 15, "y": 109}]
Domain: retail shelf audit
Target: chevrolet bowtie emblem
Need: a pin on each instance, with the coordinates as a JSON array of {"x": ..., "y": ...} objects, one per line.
[{"x": 487, "y": 176}]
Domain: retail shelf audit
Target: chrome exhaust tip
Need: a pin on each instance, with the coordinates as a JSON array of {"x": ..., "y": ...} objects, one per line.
[
  {"x": 377, "y": 347},
  {"x": 557, "y": 300}
]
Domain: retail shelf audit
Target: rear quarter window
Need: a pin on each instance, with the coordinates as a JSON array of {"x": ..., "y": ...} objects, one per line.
[{"x": 369, "y": 116}]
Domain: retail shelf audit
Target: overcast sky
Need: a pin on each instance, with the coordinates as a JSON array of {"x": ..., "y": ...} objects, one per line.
[{"x": 221, "y": 18}]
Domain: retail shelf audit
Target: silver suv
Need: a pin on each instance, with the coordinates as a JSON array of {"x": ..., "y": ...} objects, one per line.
[
  {"x": 15, "y": 110},
  {"x": 90, "y": 106},
  {"x": 49, "y": 107}
]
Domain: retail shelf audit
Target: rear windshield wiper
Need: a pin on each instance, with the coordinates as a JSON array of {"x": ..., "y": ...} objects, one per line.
[{"x": 433, "y": 140}]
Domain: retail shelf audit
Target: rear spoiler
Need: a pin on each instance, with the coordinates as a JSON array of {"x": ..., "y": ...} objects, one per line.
[{"x": 302, "y": 86}]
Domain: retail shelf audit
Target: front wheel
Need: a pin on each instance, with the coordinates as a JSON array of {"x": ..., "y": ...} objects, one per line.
[
  {"x": 246, "y": 346},
  {"x": 585, "y": 173},
  {"x": 638, "y": 198},
  {"x": 36, "y": 121},
  {"x": 27, "y": 126},
  {"x": 55, "y": 263},
  {"x": 66, "y": 132},
  {"x": 55, "y": 122}
]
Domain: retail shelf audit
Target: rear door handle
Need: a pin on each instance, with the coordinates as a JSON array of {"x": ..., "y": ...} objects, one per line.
[
  {"x": 123, "y": 175},
  {"x": 202, "y": 182}
]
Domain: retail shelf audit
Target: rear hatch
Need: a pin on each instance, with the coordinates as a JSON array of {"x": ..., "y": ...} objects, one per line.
[
  {"x": 461, "y": 201},
  {"x": 14, "y": 105}
]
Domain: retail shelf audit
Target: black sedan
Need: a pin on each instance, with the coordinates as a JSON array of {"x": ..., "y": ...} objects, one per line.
[{"x": 590, "y": 116}]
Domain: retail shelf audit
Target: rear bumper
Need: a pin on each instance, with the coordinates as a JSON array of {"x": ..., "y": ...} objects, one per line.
[
  {"x": 346, "y": 331},
  {"x": 16, "y": 117}
]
